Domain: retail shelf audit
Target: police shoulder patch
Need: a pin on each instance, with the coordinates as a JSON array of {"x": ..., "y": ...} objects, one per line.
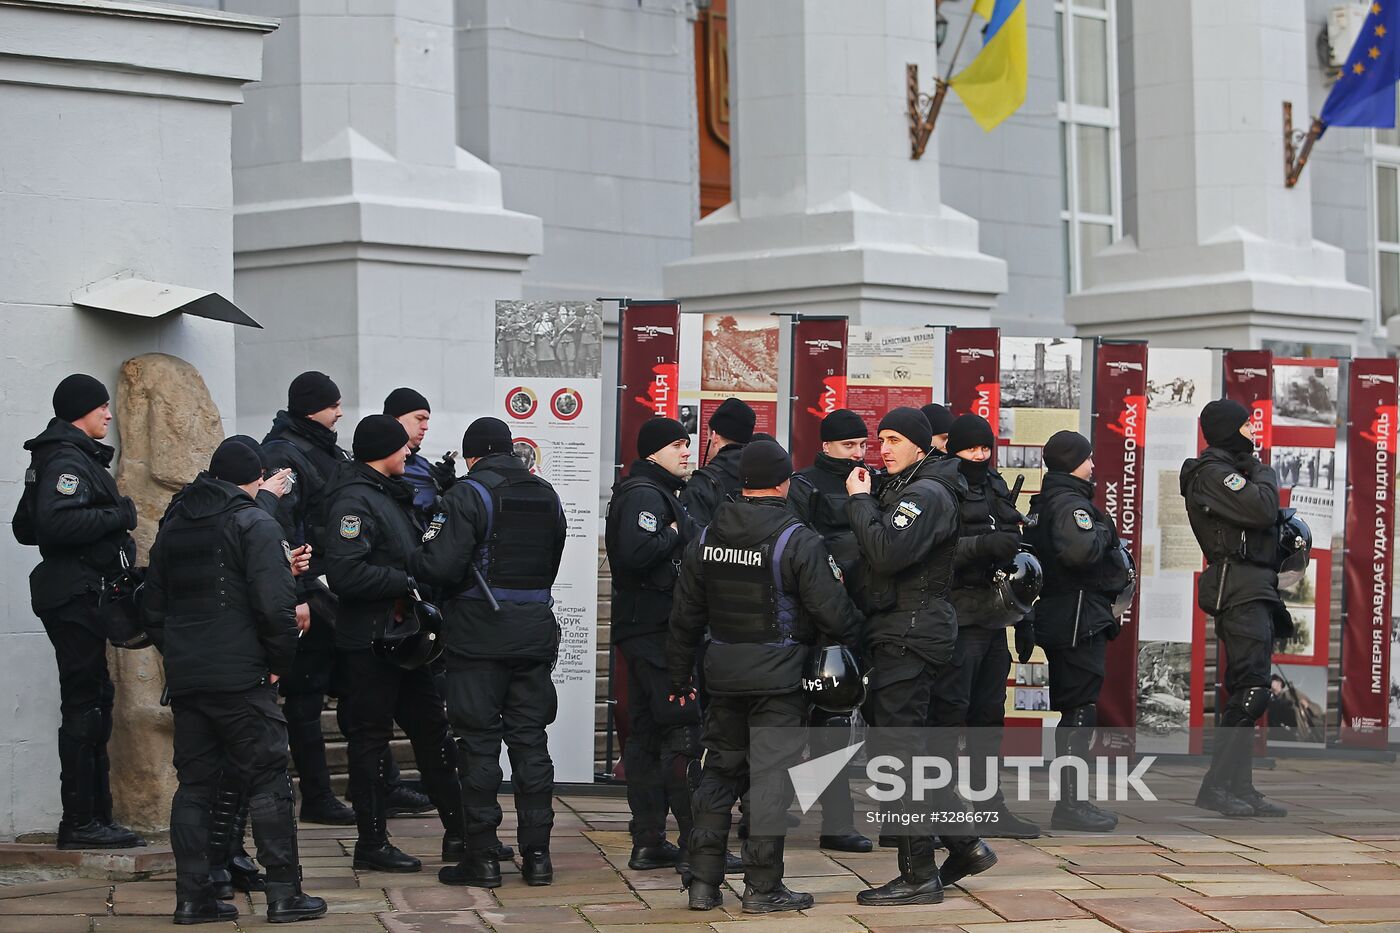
[
  {"x": 835, "y": 569},
  {"x": 1083, "y": 519},
  {"x": 905, "y": 513},
  {"x": 350, "y": 527},
  {"x": 434, "y": 526},
  {"x": 646, "y": 521},
  {"x": 67, "y": 484},
  {"x": 1234, "y": 482}
]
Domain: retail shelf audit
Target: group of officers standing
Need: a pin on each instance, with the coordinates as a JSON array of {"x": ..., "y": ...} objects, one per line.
[{"x": 292, "y": 567}]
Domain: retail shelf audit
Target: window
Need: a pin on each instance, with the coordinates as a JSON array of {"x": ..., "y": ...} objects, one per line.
[
  {"x": 1088, "y": 112},
  {"x": 1387, "y": 155}
]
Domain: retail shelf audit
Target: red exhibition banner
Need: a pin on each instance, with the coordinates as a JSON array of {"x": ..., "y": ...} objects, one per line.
[
  {"x": 648, "y": 379},
  {"x": 1119, "y": 429},
  {"x": 818, "y": 383},
  {"x": 1249, "y": 380},
  {"x": 1369, "y": 554},
  {"x": 973, "y": 379}
]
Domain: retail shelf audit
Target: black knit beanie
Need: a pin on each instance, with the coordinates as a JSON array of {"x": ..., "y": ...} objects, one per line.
[
  {"x": 657, "y": 433},
  {"x": 311, "y": 392},
  {"x": 939, "y": 418},
  {"x": 402, "y": 401},
  {"x": 843, "y": 425},
  {"x": 377, "y": 437},
  {"x": 235, "y": 462},
  {"x": 77, "y": 395},
  {"x": 763, "y": 465},
  {"x": 1221, "y": 419},
  {"x": 911, "y": 423},
  {"x": 970, "y": 431},
  {"x": 733, "y": 419},
  {"x": 251, "y": 443},
  {"x": 1066, "y": 450},
  {"x": 486, "y": 436}
]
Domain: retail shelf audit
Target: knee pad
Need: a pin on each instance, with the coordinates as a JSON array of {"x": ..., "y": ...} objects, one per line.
[{"x": 84, "y": 726}]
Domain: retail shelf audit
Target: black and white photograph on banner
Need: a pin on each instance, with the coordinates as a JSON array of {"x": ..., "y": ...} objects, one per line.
[
  {"x": 1295, "y": 713},
  {"x": 1032, "y": 699},
  {"x": 1175, "y": 392},
  {"x": 549, "y": 338},
  {"x": 1164, "y": 687},
  {"x": 1301, "y": 602},
  {"x": 741, "y": 354},
  {"x": 1305, "y": 395},
  {"x": 1314, "y": 467},
  {"x": 1039, "y": 372}
]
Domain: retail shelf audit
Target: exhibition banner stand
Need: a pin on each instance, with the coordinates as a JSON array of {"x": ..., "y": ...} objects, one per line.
[
  {"x": 818, "y": 382},
  {"x": 973, "y": 375},
  {"x": 888, "y": 367},
  {"x": 648, "y": 376},
  {"x": 738, "y": 358}
]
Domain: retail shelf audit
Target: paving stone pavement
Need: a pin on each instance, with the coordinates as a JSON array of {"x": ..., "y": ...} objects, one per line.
[{"x": 1334, "y": 864}]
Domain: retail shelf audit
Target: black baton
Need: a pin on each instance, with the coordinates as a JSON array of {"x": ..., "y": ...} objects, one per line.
[{"x": 486, "y": 590}]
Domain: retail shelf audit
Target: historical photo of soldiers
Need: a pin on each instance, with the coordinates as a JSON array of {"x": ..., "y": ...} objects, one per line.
[
  {"x": 1164, "y": 687},
  {"x": 556, "y": 339},
  {"x": 1314, "y": 467},
  {"x": 1301, "y": 602},
  {"x": 740, "y": 354},
  {"x": 1039, "y": 372},
  {"x": 1177, "y": 392},
  {"x": 1305, "y": 395},
  {"x": 1293, "y": 715}
]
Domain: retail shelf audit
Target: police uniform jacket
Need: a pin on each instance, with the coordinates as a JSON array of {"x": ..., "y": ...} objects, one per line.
[
  {"x": 908, "y": 537},
  {"x": 712, "y": 484},
  {"x": 457, "y": 538},
  {"x": 310, "y": 451},
  {"x": 987, "y": 507},
  {"x": 1077, "y": 545},
  {"x": 219, "y": 601},
  {"x": 80, "y": 520},
  {"x": 761, "y": 633},
  {"x": 818, "y": 497},
  {"x": 1232, "y": 502},
  {"x": 644, "y": 551},
  {"x": 371, "y": 531}
]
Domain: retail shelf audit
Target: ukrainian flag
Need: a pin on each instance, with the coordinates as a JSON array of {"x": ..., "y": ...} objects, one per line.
[{"x": 993, "y": 87}]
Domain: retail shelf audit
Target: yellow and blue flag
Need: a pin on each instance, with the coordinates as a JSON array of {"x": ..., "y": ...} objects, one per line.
[
  {"x": 993, "y": 87},
  {"x": 1364, "y": 94}
]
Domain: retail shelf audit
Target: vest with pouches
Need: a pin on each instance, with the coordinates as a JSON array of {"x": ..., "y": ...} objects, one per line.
[
  {"x": 194, "y": 572},
  {"x": 518, "y": 565},
  {"x": 744, "y": 590},
  {"x": 1221, "y": 541}
]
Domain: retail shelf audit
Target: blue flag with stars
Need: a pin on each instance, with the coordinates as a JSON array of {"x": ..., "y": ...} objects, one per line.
[{"x": 1364, "y": 94}]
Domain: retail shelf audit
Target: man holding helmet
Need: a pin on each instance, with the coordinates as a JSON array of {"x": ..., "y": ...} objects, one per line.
[
  {"x": 1074, "y": 619},
  {"x": 971, "y": 688},
  {"x": 372, "y": 529},
  {"x": 1232, "y": 502},
  {"x": 765, "y": 588}
]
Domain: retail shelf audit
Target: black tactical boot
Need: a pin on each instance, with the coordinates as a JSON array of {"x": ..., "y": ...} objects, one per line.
[
  {"x": 1262, "y": 805},
  {"x": 503, "y": 852},
  {"x": 208, "y": 910},
  {"x": 536, "y": 868},
  {"x": 102, "y": 787},
  {"x": 650, "y": 858},
  {"x": 918, "y": 881},
  {"x": 372, "y": 849},
  {"x": 91, "y": 835},
  {"x": 326, "y": 810},
  {"x": 703, "y": 895},
  {"x": 1079, "y": 816},
  {"x": 1222, "y": 801},
  {"x": 476, "y": 869},
  {"x": 453, "y": 847},
  {"x": 774, "y": 900},
  {"x": 846, "y": 842},
  {"x": 405, "y": 800},
  {"x": 286, "y": 903},
  {"x": 384, "y": 857},
  {"x": 889, "y": 842},
  {"x": 966, "y": 856}
]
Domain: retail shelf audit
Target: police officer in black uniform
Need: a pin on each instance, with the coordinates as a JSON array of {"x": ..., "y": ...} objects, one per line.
[
  {"x": 72, "y": 510},
  {"x": 940, "y": 422},
  {"x": 765, "y": 588},
  {"x": 731, "y": 427},
  {"x": 646, "y": 532},
  {"x": 909, "y": 538},
  {"x": 971, "y": 688},
  {"x": 429, "y": 480},
  {"x": 504, "y": 528},
  {"x": 818, "y": 497},
  {"x": 372, "y": 529},
  {"x": 220, "y": 604},
  {"x": 1232, "y": 502},
  {"x": 303, "y": 439},
  {"x": 1078, "y": 548}
]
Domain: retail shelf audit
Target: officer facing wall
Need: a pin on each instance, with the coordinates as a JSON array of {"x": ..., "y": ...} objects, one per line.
[{"x": 1232, "y": 502}]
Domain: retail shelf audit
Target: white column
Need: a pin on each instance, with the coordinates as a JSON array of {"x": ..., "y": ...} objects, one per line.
[
  {"x": 830, "y": 214},
  {"x": 367, "y": 242},
  {"x": 1223, "y": 252}
]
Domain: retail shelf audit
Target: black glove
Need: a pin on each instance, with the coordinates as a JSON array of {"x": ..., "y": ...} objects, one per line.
[
  {"x": 999, "y": 546},
  {"x": 444, "y": 472},
  {"x": 682, "y": 694},
  {"x": 129, "y": 517},
  {"x": 1025, "y": 640}
]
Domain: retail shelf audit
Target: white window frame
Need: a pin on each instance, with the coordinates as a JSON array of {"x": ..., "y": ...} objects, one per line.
[
  {"x": 1383, "y": 155},
  {"x": 1072, "y": 115}
]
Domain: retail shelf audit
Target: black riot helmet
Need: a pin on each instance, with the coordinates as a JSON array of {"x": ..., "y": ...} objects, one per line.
[
  {"x": 1294, "y": 547},
  {"x": 1122, "y": 559},
  {"x": 120, "y": 608},
  {"x": 408, "y": 634},
  {"x": 833, "y": 681},
  {"x": 1018, "y": 582}
]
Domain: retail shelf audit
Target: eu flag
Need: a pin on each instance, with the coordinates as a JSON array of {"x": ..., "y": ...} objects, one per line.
[{"x": 1364, "y": 94}]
